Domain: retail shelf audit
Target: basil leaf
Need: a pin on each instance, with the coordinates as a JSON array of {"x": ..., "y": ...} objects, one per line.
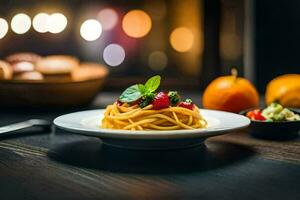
[
  {"x": 142, "y": 88},
  {"x": 152, "y": 84},
  {"x": 131, "y": 94}
]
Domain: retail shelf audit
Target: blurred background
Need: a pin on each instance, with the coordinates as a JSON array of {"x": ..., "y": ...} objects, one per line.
[{"x": 189, "y": 42}]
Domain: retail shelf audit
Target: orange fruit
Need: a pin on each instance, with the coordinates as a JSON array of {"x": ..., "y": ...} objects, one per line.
[
  {"x": 230, "y": 93},
  {"x": 284, "y": 89}
]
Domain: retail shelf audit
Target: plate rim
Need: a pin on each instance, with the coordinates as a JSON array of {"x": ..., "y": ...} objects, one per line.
[{"x": 173, "y": 134}]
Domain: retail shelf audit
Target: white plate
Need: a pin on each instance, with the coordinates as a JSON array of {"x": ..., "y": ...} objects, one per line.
[{"x": 89, "y": 123}]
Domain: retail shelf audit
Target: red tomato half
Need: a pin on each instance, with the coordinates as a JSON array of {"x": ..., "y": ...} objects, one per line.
[{"x": 255, "y": 115}]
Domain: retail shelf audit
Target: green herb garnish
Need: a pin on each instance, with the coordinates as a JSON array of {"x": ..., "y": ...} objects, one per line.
[
  {"x": 146, "y": 100},
  {"x": 174, "y": 97},
  {"x": 137, "y": 91},
  {"x": 189, "y": 101},
  {"x": 152, "y": 84},
  {"x": 131, "y": 94}
]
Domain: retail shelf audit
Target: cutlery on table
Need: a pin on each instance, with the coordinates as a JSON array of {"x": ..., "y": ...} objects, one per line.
[{"x": 44, "y": 124}]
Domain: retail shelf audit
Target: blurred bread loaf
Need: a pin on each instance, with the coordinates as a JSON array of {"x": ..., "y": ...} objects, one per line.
[
  {"x": 23, "y": 56},
  {"x": 5, "y": 70},
  {"x": 22, "y": 66},
  {"x": 33, "y": 76},
  {"x": 28, "y": 66},
  {"x": 57, "y": 67},
  {"x": 22, "y": 63},
  {"x": 88, "y": 71}
]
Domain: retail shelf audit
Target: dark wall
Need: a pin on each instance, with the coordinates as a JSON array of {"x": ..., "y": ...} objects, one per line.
[{"x": 277, "y": 39}]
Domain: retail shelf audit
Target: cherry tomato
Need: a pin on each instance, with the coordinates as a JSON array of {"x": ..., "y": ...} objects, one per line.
[
  {"x": 255, "y": 115},
  {"x": 186, "y": 105},
  {"x": 160, "y": 101}
]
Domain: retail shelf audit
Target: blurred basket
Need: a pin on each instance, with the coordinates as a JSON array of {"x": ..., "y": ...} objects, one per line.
[{"x": 14, "y": 93}]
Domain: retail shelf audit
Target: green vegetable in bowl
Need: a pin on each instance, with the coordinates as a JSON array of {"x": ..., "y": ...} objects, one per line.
[{"x": 276, "y": 113}]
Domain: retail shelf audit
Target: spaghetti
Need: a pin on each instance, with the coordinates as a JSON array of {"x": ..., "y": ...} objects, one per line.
[{"x": 127, "y": 117}]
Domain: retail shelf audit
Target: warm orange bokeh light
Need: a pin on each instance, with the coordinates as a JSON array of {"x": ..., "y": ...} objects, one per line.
[
  {"x": 182, "y": 39},
  {"x": 136, "y": 23}
]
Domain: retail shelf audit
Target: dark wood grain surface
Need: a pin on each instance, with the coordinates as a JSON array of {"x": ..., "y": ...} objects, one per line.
[{"x": 43, "y": 165}]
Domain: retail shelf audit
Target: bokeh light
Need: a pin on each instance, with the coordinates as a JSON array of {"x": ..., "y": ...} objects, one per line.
[
  {"x": 20, "y": 23},
  {"x": 182, "y": 39},
  {"x": 136, "y": 23},
  {"x": 108, "y": 18},
  {"x": 90, "y": 30},
  {"x": 57, "y": 23},
  {"x": 3, "y": 28},
  {"x": 40, "y": 22},
  {"x": 113, "y": 55},
  {"x": 158, "y": 60}
]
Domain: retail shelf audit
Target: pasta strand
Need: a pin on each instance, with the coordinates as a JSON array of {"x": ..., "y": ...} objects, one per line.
[{"x": 128, "y": 117}]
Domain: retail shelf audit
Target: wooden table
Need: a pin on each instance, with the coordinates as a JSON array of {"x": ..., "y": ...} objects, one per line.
[{"x": 66, "y": 166}]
